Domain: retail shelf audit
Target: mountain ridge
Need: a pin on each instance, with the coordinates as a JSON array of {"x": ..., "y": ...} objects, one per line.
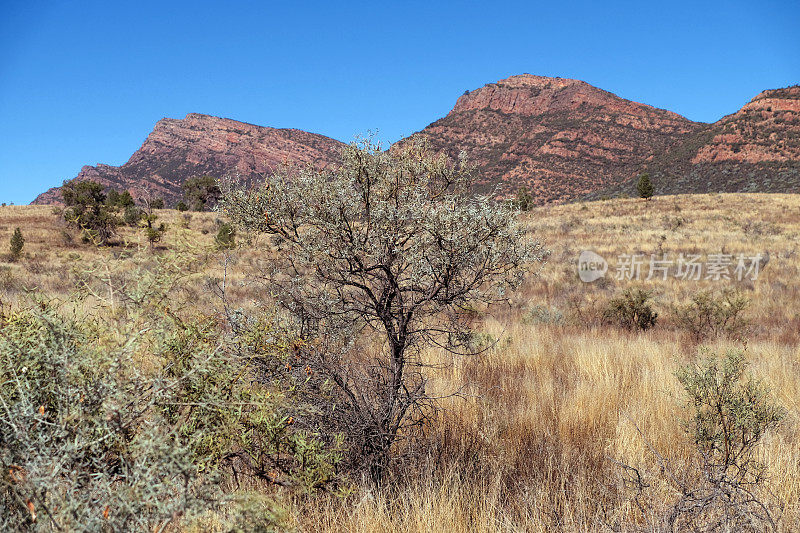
[{"x": 564, "y": 139}]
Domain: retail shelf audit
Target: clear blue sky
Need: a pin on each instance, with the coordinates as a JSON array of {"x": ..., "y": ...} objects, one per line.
[{"x": 84, "y": 82}]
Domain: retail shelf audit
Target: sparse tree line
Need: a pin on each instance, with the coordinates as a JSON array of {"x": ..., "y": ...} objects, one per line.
[{"x": 138, "y": 421}]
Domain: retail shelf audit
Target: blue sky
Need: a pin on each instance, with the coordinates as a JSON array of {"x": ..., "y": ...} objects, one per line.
[{"x": 84, "y": 82}]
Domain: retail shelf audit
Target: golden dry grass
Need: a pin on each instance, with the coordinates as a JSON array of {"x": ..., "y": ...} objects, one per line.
[{"x": 527, "y": 447}]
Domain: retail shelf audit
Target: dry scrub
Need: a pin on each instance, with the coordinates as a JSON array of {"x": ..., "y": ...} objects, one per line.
[{"x": 557, "y": 402}]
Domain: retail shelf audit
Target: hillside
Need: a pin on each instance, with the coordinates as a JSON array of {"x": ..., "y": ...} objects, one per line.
[
  {"x": 178, "y": 149},
  {"x": 561, "y": 138},
  {"x": 756, "y": 149}
]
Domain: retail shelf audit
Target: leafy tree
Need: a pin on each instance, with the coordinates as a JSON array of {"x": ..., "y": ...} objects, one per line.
[
  {"x": 201, "y": 193},
  {"x": 87, "y": 210},
  {"x": 644, "y": 187},
  {"x": 17, "y": 242},
  {"x": 121, "y": 200},
  {"x": 226, "y": 236},
  {"x": 376, "y": 260}
]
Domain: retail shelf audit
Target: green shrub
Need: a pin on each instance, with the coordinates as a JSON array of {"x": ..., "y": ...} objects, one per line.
[
  {"x": 132, "y": 216},
  {"x": 17, "y": 242},
  {"x": 631, "y": 310},
  {"x": 201, "y": 193},
  {"x": 181, "y": 206},
  {"x": 713, "y": 313},
  {"x": 102, "y": 430},
  {"x": 226, "y": 236},
  {"x": 730, "y": 411},
  {"x": 524, "y": 200},
  {"x": 539, "y": 314},
  {"x": 80, "y": 444}
]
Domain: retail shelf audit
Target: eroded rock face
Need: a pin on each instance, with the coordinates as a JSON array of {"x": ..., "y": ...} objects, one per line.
[
  {"x": 178, "y": 149},
  {"x": 562, "y": 138},
  {"x": 765, "y": 129},
  {"x": 756, "y": 149}
]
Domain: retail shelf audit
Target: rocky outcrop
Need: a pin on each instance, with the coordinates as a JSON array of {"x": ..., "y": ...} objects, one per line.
[
  {"x": 178, "y": 149},
  {"x": 561, "y": 138},
  {"x": 756, "y": 149}
]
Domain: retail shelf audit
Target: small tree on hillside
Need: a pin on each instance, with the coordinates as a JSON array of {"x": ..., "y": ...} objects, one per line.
[
  {"x": 153, "y": 231},
  {"x": 87, "y": 210},
  {"x": 375, "y": 261},
  {"x": 201, "y": 193},
  {"x": 524, "y": 199},
  {"x": 120, "y": 200},
  {"x": 645, "y": 187},
  {"x": 17, "y": 242}
]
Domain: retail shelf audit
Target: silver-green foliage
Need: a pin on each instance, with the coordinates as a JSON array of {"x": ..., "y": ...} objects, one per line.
[
  {"x": 730, "y": 412},
  {"x": 77, "y": 451},
  {"x": 388, "y": 246},
  {"x": 132, "y": 423}
]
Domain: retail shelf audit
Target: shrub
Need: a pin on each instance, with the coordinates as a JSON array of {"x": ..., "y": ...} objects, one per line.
[
  {"x": 543, "y": 315},
  {"x": 631, "y": 310},
  {"x": 17, "y": 242},
  {"x": 157, "y": 203},
  {"x": 730, "y": 413},
  {"x": 181, "y": 206},
  {"x": 710, "y": 313},
  {"x": 226, "y": 236},
  {"x": 73, "y": 440},
  {"x": 201, "y": 193},
  {"x": 87, "y": 210},
  {"x": 524, "y": 200},
  {"x": 132, "y": 216},
  {"x": 153, "y": 232},
  {"x": 93, "y": 440}
]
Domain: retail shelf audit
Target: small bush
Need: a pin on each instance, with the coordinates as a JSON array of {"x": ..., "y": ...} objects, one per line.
[
  {"x": 543, "y": 315},
  {"x": 524, "y": 199},
  {"x": 185, "y": 220},
  {"x": 132, "y": 216},
  {"x": 631, "y": 310},
  {"x": 729, "y": 414},
  {"x": 181, "y": 206},
  {"x": 226, "y": 236},
  {"x": 711, "y": 314}
]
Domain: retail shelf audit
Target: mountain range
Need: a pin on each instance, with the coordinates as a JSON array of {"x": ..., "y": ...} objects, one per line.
[{"x": 563, "y": 139}]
